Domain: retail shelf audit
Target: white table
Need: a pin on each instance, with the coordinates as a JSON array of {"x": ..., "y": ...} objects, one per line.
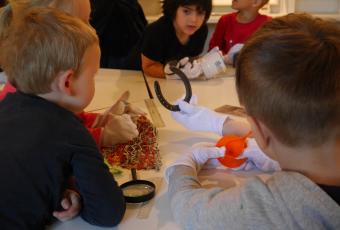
[{"x": 173, "y": 140}]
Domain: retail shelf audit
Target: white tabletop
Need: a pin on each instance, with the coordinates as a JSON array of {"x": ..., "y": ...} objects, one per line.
[{"x": 173, "y": 141}]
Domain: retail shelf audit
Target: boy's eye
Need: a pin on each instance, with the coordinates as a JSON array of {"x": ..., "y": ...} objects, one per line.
[
  {"x": 201, "y": 12},
  {"x": 186, "y": 11}
]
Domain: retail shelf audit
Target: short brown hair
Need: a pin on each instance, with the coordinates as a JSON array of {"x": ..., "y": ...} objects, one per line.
[
  {"x": 288, "y": 77},
  {"x": 43, "y": 43}
]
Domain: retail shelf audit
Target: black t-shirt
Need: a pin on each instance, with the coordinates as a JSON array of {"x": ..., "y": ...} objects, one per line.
[
  {"x": 161, "y": 44},
  {"x": 119, "y": 24}
]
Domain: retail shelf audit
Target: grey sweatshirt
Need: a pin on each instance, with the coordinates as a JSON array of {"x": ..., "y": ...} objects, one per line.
[{"x": 287, "y": 200}]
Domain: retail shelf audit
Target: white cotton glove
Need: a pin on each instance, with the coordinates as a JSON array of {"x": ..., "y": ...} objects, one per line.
[
  {"x": 120, "y": 107},
  {"x": 196, "y": 159},
  {"x": 191, "y": 69},
  {"x": 118, "y": 129},
  {"x": 180, "y": 64},
  {"x": 213, "y": 50},
  {"x": 199, "y": 118},
  {"x": 204, "y": 149},
  {"x": 257, "y": 159},
  {"x": 229, "y": 58},
  {"x": 212, "y": 63}
]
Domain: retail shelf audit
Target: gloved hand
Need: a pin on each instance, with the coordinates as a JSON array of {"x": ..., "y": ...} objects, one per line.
[
  {"x": 196, "y": 159},
  {"x": 118, "y": 129},
  {"x": 257, "y": 159},
  {"x": 212, "y": 63},
  {"x": 198, "y": 118},
  {"x": 120, "y": 107},
  {"x": 180, "y": 64},
  {"x": 204, "y": 149},
  {"x": 213, "y": 50},
  {"x": 229, "y": 58},
  {"x": 191, "y": 69}
]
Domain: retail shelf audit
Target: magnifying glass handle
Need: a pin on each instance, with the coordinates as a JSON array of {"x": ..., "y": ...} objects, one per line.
[{"x": 134, "y": 174}]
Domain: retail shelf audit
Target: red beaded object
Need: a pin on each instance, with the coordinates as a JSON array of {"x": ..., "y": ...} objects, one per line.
[{"x": 141, "y": 153}]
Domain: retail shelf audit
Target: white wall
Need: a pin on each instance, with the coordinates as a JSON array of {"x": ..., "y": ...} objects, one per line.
[{"x": 328, "y": 8}]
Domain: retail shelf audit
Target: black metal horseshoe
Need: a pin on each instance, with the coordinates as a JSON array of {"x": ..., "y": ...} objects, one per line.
[{"x": 188, "y": 91}]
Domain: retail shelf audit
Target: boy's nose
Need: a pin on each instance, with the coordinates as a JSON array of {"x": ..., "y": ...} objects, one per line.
[{"x": 194, "y": 17}]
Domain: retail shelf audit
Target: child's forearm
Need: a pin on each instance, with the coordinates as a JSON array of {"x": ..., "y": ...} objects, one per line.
[
  {"x": 195, "y": 207},
  {"x": 152, "y": 68},
  {"x": 235, "y": 127}
]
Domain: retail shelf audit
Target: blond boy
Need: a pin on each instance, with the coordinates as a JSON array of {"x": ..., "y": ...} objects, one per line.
[
  {"x": 51, "y": 58},
  {"x": 109, "y": 128},
  {"x": 288, "y": 79}
]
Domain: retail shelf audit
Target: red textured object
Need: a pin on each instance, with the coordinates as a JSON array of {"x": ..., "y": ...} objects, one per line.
[{"x": 141, "y": 153}]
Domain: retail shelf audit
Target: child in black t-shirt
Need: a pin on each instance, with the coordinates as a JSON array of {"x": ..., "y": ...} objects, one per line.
[{"x": 179, "y": 33}]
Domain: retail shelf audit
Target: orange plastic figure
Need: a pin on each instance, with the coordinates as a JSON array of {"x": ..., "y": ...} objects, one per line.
[{"x": 235, "y": 146}]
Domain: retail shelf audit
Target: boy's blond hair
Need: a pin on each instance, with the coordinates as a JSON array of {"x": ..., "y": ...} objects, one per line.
[
  {"x": 6, "y": 12},
  {"x": 40, "y": 45},
  {"x": 288, "y": 77}
]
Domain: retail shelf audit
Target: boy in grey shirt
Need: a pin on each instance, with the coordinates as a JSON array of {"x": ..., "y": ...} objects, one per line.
[{"x": 288, "y": 79}]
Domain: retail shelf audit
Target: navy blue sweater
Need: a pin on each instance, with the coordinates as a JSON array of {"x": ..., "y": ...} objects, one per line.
[{"x": 41, "y": 146}]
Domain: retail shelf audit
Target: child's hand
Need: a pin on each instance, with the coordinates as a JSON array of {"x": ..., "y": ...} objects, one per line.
[
  {"x": 71, "y": 203},
  {"x": 205, "y": 155},
  {"x": 198, "y": 118},
  {"x": 229, "y": 58},
  {"x": 191, "y": 69},
  {"x": 180, "y": 64},
  {"x": 119, "y": 129},
  {"x": 120, "y": 107},
  {"x": 257, "y": 159}
]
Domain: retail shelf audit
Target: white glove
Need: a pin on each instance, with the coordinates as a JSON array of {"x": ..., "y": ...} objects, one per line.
[
  {"x": 213, "y": 50},
  {"x": 212, "y": 63},
  {"x": 229, "y": 58},
  {"x": 118, "y": 129},
  {"x": 198, "y": 118},
  {"x": 196, "y": 159},
  {"x": 120, "y": 107},
  {"x": 191, "y": 69},
  {"x": 180, "y": 64},
  {"x": 257, "y": 159}
]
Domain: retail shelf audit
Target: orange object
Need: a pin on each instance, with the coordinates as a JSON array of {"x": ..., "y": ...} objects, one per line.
[{"x": 235, "y": 146}]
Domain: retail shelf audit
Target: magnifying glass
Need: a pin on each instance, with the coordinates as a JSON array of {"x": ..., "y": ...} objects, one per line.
[{"x": 137, "y": 191}]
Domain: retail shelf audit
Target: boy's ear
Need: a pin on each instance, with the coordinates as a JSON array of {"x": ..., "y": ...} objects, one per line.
[
  {"x": 261, "y": 133},
  {"x": 65, "y": 81}
]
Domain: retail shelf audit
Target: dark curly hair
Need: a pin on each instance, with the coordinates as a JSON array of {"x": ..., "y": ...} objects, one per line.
[{"x": 170, "y": 7}]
